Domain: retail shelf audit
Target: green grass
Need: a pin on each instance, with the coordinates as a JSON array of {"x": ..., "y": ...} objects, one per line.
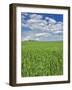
[{"x": 41, "y": 58}]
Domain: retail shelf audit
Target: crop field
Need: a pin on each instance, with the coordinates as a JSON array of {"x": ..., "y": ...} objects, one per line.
[{"x": 41, "y": 58}]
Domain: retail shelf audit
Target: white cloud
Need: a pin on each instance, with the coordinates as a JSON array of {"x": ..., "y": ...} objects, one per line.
[
  {"x": 26, "y": 38},
  {"x": 50, "y": 20},
  {"x": 36, "y": 16},
  {"x": 59, "y": 26},
  {"x": 40, "y": 34},
  {"x": 42, "y": 29},
  {"x": 37, "y": 24},
  {"x": 24, "y": 25},
  {"x": 37, "y": 39},
  {"x": 58, "y": 32}
]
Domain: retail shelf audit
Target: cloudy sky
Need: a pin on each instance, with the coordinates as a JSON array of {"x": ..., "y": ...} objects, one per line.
[{"x": 41, "y": 26}]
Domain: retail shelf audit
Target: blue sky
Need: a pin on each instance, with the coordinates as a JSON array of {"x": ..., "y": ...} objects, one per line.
[
  {"x": 41, "y": 26},
  {"x": 57, "y": 17}
]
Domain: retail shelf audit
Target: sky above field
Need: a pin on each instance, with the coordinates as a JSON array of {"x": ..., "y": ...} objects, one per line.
[{"x": 41, "y": 26}]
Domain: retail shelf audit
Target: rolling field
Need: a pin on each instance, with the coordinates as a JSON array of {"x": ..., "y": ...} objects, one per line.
[{"x": 41, "y": 58}]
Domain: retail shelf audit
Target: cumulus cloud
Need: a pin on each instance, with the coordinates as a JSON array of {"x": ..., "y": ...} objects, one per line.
[
  {"x": 42, "y": 28},
  {"x": 40, "y": 34},
  {"x": 36, "y": 16},
  {"x": 50, "y": 20},
  {"x": 37, "y": 24},
  {"x": 27, "y": 38},
  {"x": 24, "y": 25},
  {"x": 37, "y": 39}
]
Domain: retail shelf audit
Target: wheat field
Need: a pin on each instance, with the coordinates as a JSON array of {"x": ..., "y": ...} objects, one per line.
[{"x": 41, "y": 58}]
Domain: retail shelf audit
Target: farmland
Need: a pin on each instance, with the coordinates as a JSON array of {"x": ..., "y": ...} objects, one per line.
[{"x": 41, "y": 58}]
